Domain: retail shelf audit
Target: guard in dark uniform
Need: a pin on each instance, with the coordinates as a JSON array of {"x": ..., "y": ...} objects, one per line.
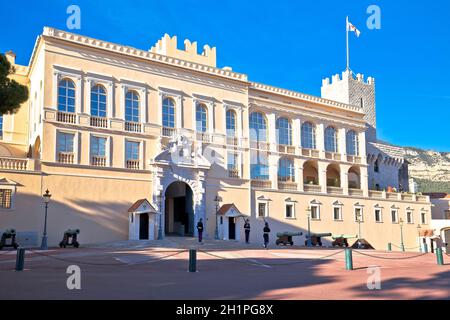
[
  {"x": 266, "y": 231},
  {"x": 247, "y": 230},
  {"x": 200, "y": 230}
]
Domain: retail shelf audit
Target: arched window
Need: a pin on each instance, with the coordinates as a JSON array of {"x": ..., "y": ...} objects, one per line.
[
  {"x": 331, "y": 144},
  {"x": 286, "y": 170},
  {"x": 231, "y": 123},
  {"x": 98, "y": 101},
  {"x": 132, "y": 106},
  {"x": 258, "y": 127},
  {"x": 168, "y": 113},
  {"x": 284, "y": 131},
  {"x": 308, "y": 135},
  {"x": 201, "y": 118},
  {"x": 66, "y": 96},
  {"x": 352, "y": 143}
]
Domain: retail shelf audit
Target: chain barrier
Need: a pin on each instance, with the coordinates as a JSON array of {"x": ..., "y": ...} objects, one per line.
[
  {"x": 389, "y": 258},
  {"x": 120, "y": 264},
  {"x": 418, "y": 247},
  {"x": 237, "y": 260}
]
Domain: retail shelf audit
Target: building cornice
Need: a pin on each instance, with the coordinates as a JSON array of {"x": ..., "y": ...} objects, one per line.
[{"x": 141, "y": 54}]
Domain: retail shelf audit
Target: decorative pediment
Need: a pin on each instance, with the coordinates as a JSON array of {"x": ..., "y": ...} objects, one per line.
[
  {"x": 337, "y": 203},
  {"x": 142, "y": 206},
  {"x": 358, "y": 205},
  {"x": 377, "y": 206},
  {"x": 180, "y": 152},
  {"x": 289, "y": 199},
  {"x": 8, "y": 182},
  {"x": 394, "y": 207},
  {"x": 263, "y": 198},
  {"x": 315, "y": 202}
]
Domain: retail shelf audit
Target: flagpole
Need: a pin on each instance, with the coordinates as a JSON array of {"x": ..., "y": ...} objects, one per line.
[{"x": 348, "y": 50}]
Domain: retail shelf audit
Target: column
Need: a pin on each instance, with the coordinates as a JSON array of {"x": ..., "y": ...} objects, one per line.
[
  {"x": 143, "y": 110},
  {"x": 159, "y": 109},
  {"x": 78, "y": 94},
  {"x": 362, "y": 146},
  {"x": 320, "y": 137},
  {"x": 240, "y": 126},
  {"x": 211, "y": 117},
  {"x": 111, "y": 105},
  {"x": 121, "y": 113},
  {"x": 179, "y": 113},
  {"x": 272, "y": 138},
  {"x": 296, "y": 127},
  {"x": 56, "y": 77},
  {"x": 364, "y": 180},
  {"x": 87, "y": 97},
  {"x": 343, "y": 143},
  {"x": 273, "y": 170},
  {"x": 344, "y": 178},
  {"x": 322, "y": 170},
  {"x": 298, "y": 164}
]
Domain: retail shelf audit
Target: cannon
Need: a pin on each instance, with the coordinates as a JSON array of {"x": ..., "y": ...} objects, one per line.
[
  {"x": 285, "y": 238},
  {"x": 341, "y": 240},
  {"x": 316, "y": 238},
  {"x": 70, "y": 239},
  {"x": 9, "y": 234}
]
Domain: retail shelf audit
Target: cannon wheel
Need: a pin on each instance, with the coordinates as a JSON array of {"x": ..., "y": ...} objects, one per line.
[
  {"x": 76, "y": 244},
  {"x": 15, "y": 246},
  {"x": 292, "y": 243}
]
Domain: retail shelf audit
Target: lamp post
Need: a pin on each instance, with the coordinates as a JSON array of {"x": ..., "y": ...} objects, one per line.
[
  {"x": 308, "y": 214},
  {"x": 359, "y": 220},
  {"x": 418, "y": 235},
  {"x": 47, "y": 197},
  {"x": 402, "y": 245},
  {"x": 160, "y": 232},
  {"x": 217, "y": 200}
]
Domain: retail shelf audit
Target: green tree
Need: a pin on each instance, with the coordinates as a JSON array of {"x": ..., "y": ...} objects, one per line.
[{"x": 12, "y": 93}]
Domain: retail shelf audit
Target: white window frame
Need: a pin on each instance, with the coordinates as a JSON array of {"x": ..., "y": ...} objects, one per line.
[
  {"x": 209, "y": 105},
  {"x": 375, "y": 214},
  {"x": 338, "y": 205},
  {"x": 409, "y": 211},
  {"x": 108, "y": 83},
  {"x": 361, "y": 208},
  {"x": 108, "y": 148},
  {"x": 61, "y": 72},
  {"x": 265, "y": 201},
  {"x": 396, "y": 215},
  {"x": 141, "y": 90},
  {"x": 423, "y": 214},
  {"x": 290, "y": 202},
  {"x": 316, "y": 204},
  {"x": 76, "y": 144},
  {"x": 238, "y": 161}
]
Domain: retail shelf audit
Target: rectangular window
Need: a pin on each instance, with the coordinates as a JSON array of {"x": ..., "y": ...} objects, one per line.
[
  {"x": 65, "y": 142},
  {"x": 261, "y": 209},
  {"x": 337, "y": 213},
  {"x": 132, "y": 150},
  {"x": 289, "y": 211},
  {"x": 5, "y": 198},
  {"x": 98, "y": 146},
  {"x": 409, "y": 217},
  {"x": 315, "y": 214},
  {"x": 394, "y": 216},
  {"x": 423, "y": 217},
  {"x": 378, "y": 215},
  {"x": 232, "y": 160},
  {"x": 359, "y": 214}
]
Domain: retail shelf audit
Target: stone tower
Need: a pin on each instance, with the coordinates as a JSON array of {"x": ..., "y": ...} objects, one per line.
[{"x": 355, "y": 91}]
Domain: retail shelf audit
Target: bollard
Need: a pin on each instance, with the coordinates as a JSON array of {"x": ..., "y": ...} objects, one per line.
[
  {"x": 425, "y": 248},
  {"x": 20, "y": 259},
  {"x": 402, "y": 247},
  {"x": 348, "y": 259},
  {"x": 389, "y": 246},
  {"x": 192, "y": 260},
  {"x": 440, "y": 258}
]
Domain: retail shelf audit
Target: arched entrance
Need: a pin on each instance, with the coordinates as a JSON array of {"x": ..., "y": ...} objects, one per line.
[{"x": 179, "y": 209}]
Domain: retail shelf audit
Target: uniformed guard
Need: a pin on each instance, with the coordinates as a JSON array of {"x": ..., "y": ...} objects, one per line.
[
  {"x": 266, "y": 231},
  {"x": 200, "y": 230},
  {"x": 247, "y": 230}
]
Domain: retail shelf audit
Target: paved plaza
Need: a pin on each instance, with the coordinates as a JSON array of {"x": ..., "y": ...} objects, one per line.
[{"x": 226, "y": 270}]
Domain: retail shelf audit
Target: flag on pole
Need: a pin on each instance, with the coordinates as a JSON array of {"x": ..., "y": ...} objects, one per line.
[{"x": 352, "y": 28}]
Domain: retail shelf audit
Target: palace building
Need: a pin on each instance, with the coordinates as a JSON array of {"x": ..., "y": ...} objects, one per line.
[{"x": 140, "y": 144}]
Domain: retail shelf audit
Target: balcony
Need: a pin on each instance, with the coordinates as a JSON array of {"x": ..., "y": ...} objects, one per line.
[
  {"x": 133, "y": 164},
  {"x": 233, "y": 173},
  {"x": 168, "y": 132},
  {"x": 354, "y": 159},
  {"x": 355, "y": 192},
  {"x": 20, "y": 164},
  {"x": 311, "y": 153},
  {"x": 392, "y": 196},
  {"x": 66, "y": 117},
  {"x": 376, "y": 194},
  {"x": 204, "y": 137},
  {"x": 99, "y": 122},
  {"x": 261, "y": 145},
  {"x": 333, "y": 156},
  {"x": 282, "y": 148},
  {"x": 287, "y": 185},
  {"x": 312, "y": 188},
  {"x": 232, "y": 141},
  {"x": 66, "y": 157},
  {"x": 98, "y": 161},
  {"x": 261, "y": 184},
  {"x": 335, "y": 190},
  {"x": 133, "y": 126}
]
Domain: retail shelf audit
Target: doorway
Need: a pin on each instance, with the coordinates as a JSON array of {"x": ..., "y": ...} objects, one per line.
[
  {"x": 179, "y": 210},
  {"x": 143, "y": 226},
  {"x": 231, "y": 228}
]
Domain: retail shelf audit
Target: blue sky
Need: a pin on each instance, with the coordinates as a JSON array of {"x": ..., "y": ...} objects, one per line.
[{"x": 291, "y": 44}]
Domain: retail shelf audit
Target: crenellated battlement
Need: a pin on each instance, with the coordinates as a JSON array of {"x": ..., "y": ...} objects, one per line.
[
  {"x": 168, "y": 46},
  {"x": 347, "y": 75}
]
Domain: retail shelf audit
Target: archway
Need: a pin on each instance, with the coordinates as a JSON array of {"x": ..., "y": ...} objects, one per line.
[
  {"x": 354, "y": 178},
  {"x": 310, "y": 173},
  {"x": 37, "y": 148},
  {"x": 179, "y": 209},
  {"x": 333, "y": 175}
]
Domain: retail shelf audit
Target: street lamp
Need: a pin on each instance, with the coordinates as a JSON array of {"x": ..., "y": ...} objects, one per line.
[
  {"x": 308, "y": 214},
  {"x": 217, "y": 200},
  {"x": 47, "y": 197},
  {"x": 402, "y": 245},
  {"x": 160, "y": 232},
  {"x": 418, "y": 235},
  {"x": 359, "y": 220}
]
